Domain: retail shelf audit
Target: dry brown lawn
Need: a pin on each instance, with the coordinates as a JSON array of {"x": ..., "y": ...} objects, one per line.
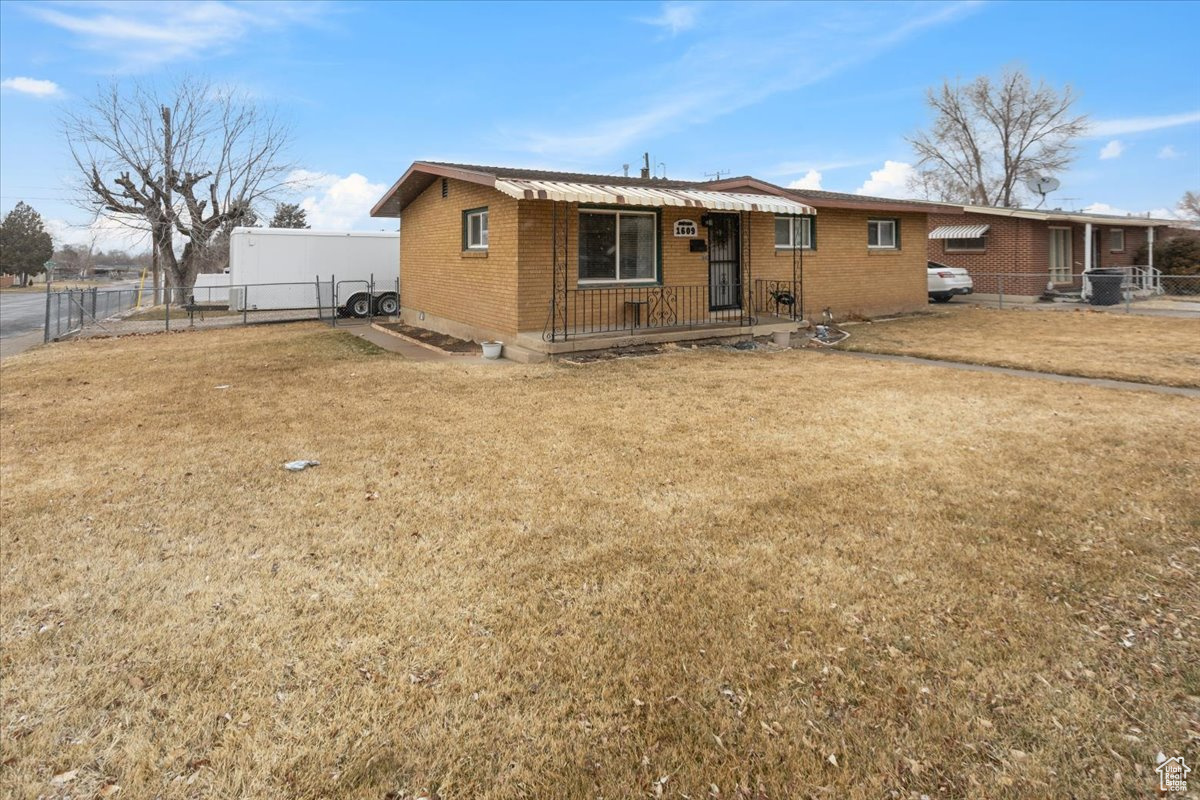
[
  {"x": 710, "y": 573},
  {"x": 1164, "y": 350}
]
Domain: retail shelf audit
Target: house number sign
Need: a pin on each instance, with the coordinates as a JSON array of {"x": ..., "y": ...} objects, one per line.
[{"x": 685, "y": 228}]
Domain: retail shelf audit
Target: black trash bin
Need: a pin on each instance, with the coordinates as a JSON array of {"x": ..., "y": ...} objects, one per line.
[{"x": 1106, "y": 285}]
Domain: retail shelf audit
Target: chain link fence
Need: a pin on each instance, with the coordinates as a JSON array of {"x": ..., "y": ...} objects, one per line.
[
  {"x": 1121, "y": 289},
  {"x": 116, "y": 312}
]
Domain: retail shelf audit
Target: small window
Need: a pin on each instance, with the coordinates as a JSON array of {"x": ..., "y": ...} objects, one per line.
[
  {"x": 1116, "y": 240},
  {"x": 475, "y": 229},
  {"x": 618, "y": 246},
  {"x": 977, "y": 244},
  {"x": 790, "y": 230},
  {"x": 883, "y": 234}
]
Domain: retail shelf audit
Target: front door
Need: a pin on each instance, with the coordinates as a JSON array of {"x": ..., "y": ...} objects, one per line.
[
  {"x": 724, "y": 262},
  {"x": 1060, "y": 255}
]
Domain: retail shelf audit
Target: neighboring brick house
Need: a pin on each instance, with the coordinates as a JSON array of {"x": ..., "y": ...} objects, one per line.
[
  {"x": 551, "y": 262},
  {"x": 1026, "y": 252}
]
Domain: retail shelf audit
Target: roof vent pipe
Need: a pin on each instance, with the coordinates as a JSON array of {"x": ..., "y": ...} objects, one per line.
[{"x": 645, "y": 166}]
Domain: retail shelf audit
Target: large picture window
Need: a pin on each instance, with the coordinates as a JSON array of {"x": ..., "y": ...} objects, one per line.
[
  {"x": 618, "y": 246},
  {"x": 883, "y": 234},
  {"x": 794, "y": 232}
]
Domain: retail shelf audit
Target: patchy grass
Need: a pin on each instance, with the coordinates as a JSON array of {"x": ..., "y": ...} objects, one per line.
[
  {"x": 1159, "y": 350},
  {"x": 781, "y": 575}
]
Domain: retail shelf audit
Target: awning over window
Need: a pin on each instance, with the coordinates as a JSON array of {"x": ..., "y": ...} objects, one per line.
[
  {"x": 650, "y": 196},
  {"x": 958, "y": 232}
]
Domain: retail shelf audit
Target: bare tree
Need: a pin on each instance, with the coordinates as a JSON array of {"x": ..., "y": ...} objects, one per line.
[
  {"x": 1189, "y": 205},
  {"x": 988, "y": 137},
  {"x": 180, "y": 164}
]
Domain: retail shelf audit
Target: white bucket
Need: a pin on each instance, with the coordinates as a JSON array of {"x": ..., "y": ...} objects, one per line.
[
  {"x": 492, "y": 349},
  {"x": 782, "y": 338}
]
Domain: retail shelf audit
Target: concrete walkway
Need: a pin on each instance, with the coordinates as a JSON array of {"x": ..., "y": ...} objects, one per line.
[
  {"x": 1104, "y": 383},
  {"x": 408, "y": 349}
]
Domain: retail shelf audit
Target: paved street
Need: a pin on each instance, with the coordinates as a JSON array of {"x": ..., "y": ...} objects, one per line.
[
  {"x": 21, "y": 312},
  {"x": 22, "y": 315}
]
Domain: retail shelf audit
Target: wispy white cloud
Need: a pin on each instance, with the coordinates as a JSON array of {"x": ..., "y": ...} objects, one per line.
[
  {"x": 891, "y": 180},
  {"x": 1121, "y": 127},
  {"x": 675, "y": 17},
  {"x": 756, "y": 54},
  {"x": 120, "y": 33},
  {"x": 31, "y": 86},
  {"x": 800, "y": 167},
  {"x": 1113, "y": 149},
  {"x": 811, "y": 180},
  {"x": 1169, "y": 152},
  {"x": 337, "y": 203}
]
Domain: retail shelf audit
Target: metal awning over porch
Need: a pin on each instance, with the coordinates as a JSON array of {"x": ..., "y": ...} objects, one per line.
[
  {"x": 958, "y": 231},
  {"x": 649, "y": 196}
]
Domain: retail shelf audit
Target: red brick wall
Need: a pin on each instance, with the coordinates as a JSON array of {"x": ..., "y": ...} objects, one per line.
[{"x": 1018, "y": 250}]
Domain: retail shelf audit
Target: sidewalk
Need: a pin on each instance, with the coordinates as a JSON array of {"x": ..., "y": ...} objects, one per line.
[
  {"x": 12, "y": 345},
  {"x": 1104, "y": 383}
]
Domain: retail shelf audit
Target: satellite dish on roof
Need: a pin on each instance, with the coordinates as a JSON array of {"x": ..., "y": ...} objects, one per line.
[{"x": 1041, "y": 185}]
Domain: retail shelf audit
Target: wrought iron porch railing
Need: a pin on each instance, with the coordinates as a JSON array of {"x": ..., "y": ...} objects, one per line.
[
  {"x": 777, "y": 298},
  {"x": 626, "y": 308},
  {"x": 611, "y": 309}
]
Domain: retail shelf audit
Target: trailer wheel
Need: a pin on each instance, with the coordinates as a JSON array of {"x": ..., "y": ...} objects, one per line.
[
  {"x": 358, "y": 306},
  {"x": 387, "y": 305}
]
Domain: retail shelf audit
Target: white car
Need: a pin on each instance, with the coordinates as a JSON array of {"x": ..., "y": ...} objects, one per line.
[{"x": 945, "y": 282}]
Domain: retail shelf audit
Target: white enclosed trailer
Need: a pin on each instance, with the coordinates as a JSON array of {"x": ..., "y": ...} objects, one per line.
[{"x": 286, "y": 268}]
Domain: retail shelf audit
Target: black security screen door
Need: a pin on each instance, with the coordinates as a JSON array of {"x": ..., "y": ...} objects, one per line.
[{"x": 724, "y": 262}]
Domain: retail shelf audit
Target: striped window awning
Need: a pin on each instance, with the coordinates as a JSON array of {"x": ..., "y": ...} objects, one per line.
[
  {"x": 958, "y": 232},
  {"x": 649, "y": 196}
]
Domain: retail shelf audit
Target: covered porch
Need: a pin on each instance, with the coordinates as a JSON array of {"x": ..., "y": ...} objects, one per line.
[{"x": 653, "y": 264}]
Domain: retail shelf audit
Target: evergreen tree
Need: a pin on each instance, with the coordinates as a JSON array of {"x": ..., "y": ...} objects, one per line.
[
  {"x": 289, "y": 215},
  {"x": 25, "y": 246}
]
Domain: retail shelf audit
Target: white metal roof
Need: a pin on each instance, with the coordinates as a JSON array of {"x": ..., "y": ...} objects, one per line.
[
  {"x": 1071, "y": 216},
  {"x": 958, "y": 231},
  {"x": 649, "y": 196}
]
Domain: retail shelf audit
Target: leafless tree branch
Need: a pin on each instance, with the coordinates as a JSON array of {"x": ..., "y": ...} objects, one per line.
[
  {"x": 987, "y": 137},
  {"x": 181, "y": 163}
]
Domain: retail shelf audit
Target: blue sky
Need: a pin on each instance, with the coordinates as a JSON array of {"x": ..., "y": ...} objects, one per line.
[{"x": 815, "y": 94}]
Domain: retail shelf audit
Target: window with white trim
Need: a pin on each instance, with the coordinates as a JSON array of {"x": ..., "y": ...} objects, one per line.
[
  {"x": 475, "y": 229},
  {"x": 883, "y": 234},
  {"x": 793, "y": 232},
  {"x": 1116, "y": 240},
  {"x": 618, "y": 246},
  {"x": 976, "y": 244}
]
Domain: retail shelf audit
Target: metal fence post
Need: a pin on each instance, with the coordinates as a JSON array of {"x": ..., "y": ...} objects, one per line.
[
  {"x": 46, "y": 327},
  {"x": 333, "y": 304},
  {"x": 320, "y": 313},
  {"x": 371, "y": 299},
  {"x": 167, "y": 306},
  {"x": 1001, "y": 278},
  {"x": 246, "y": 304}
]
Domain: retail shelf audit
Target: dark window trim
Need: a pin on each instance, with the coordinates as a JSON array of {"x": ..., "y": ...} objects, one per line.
[
  {"x": 895, "y": 227},
  {"x": 946, "y": 248},
  {"x": 465, "y": 245},
  {"x": 658, "y": 245}
]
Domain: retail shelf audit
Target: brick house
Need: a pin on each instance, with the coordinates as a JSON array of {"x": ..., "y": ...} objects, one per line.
[
  {"x": 552, "y": 262},
  {"x": 1025, "y": 252}
]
